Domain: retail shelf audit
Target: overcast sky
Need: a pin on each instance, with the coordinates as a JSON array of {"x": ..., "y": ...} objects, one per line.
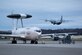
[{"x": 42, "y": 9}]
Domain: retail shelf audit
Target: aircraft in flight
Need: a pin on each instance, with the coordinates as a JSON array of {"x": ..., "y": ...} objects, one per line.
[{"x": 55, "y": 22}]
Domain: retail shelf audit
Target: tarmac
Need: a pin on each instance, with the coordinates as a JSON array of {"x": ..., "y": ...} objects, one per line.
[{"x": 47, "y": 48}]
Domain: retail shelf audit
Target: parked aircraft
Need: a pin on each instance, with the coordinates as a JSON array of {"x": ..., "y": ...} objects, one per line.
[
  {"x": 24, "y": 34},
  {"x": 32, "y": 33},
  {"x": 64, "y": 38}
]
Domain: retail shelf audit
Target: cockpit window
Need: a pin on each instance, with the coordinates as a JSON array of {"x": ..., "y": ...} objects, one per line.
[
  {"x": 22, "y": 32},
  {"x": 38, "y": 30}
]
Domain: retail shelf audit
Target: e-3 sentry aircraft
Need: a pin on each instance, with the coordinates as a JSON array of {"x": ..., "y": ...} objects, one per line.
[{"x": 24, "y": 34}]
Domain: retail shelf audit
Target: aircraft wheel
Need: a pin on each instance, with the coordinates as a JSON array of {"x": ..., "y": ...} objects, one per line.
[
  {"x": 73, "y": 42},
  {"x": 59, "y": 42},
  {"x": 24, "y": 41},
  {"x": 14, "y": 42},
  {"x": 36, "y": 42},
  {"x": 32, "y": 41}
]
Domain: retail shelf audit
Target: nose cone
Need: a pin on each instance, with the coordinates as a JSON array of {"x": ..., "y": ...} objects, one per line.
[{"x": 28, "y": 16}]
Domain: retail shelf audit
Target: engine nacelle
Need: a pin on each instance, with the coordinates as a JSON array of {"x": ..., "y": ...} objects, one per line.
[
  {"x": 58, "y": 23},
  {"x": 56, "y": 38}
]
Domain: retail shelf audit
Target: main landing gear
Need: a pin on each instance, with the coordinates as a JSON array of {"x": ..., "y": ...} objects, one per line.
[
  {"x": 24, "y": 41},
  {"x": 14, "y": 41},
  {"x": 34, "y": 42}
]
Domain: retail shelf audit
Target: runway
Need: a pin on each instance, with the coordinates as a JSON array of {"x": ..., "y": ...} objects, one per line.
[{"x": 51, "y": 48}]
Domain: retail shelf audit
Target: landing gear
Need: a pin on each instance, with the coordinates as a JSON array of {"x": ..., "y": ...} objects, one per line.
[
  {"x": 24, "y": 41},
  {"x": 34, "y": 42},
  {"x": 14, "y": 41}
]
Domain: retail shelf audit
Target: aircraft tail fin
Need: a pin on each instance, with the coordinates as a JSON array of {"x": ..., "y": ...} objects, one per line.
[{"x": 61, "y": 19}]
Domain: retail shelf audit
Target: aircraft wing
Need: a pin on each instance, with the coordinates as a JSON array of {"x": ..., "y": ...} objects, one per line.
[
  {"x": 44, "y": 35},
  {"x": 57, "y": 35},
  {"x": 72, "y": 33},
  {"x": 11, "y": 36}
]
